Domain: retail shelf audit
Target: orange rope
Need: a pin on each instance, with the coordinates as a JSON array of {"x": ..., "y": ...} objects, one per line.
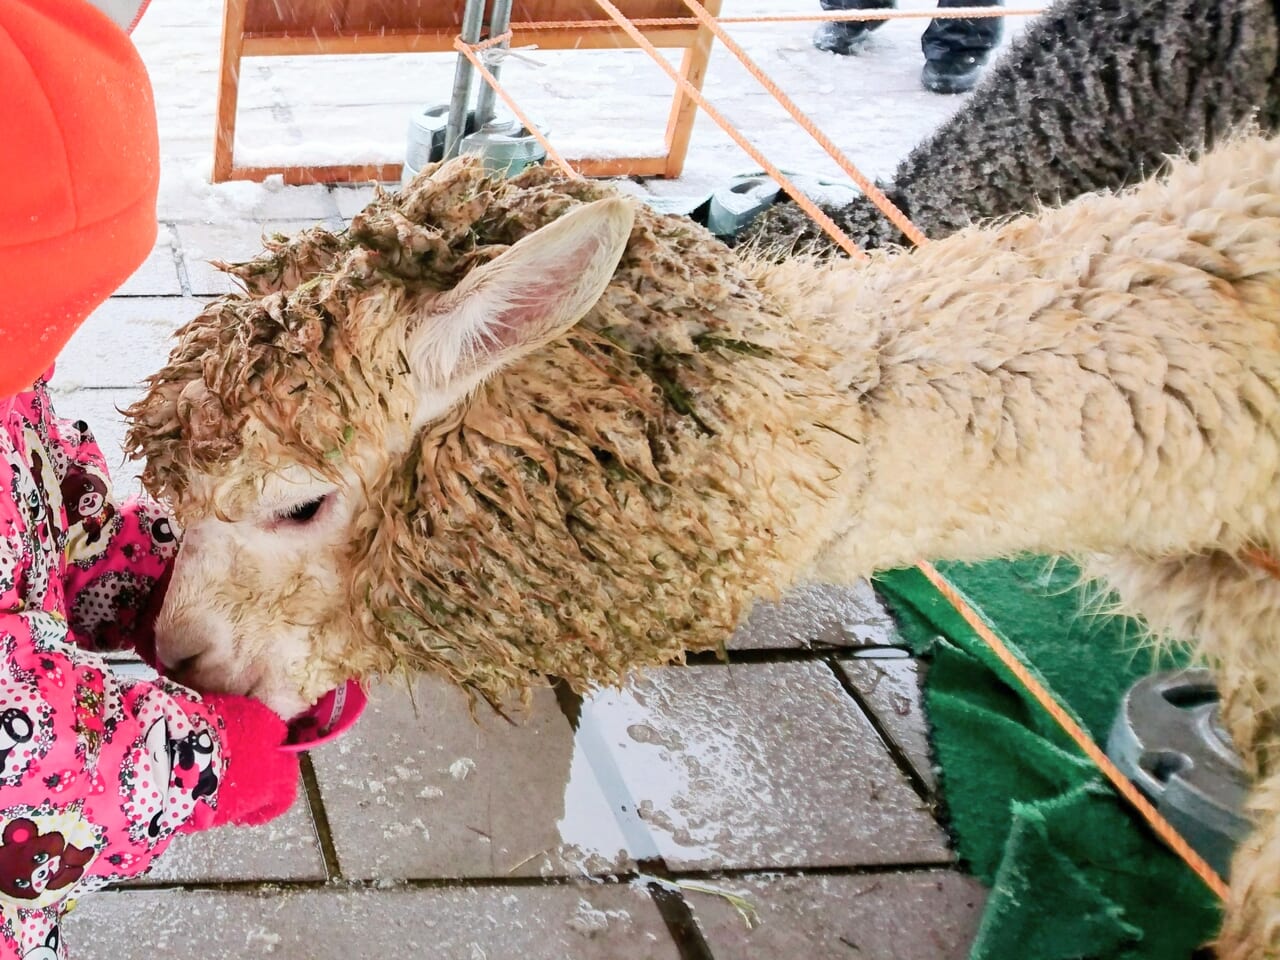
[
  {"x": 466, "y": 50},
  {"x": 1158, "y": 823},
  {"x": 1263, "y": 559},
  {"x": 796, "y": 194},
  {"x": 941, "y": 13},
  {"x": 491, "y": 42},
  {"x": 866, "y": 186}
]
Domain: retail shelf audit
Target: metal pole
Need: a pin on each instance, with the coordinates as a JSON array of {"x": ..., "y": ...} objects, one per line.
[
  {"x": 498, "y": 24},
  {"x": 455, "y": 130}
]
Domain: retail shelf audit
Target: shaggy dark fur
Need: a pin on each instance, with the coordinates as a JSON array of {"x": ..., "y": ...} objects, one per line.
[{"x": 1093, "y": 95}]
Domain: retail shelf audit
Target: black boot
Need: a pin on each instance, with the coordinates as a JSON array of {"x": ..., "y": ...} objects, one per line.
[
  {"x": 956, "y": 73},
  {"x": 847, "y": 36},
  {"x": 955, "y": 50},
  {"x": 841, "y": 38}
]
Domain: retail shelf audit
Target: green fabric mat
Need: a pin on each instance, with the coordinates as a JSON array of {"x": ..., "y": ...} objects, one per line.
[{"x": 1073, "y": 871}]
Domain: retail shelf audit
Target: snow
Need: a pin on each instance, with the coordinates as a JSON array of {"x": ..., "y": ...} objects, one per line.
[
  {"x": 461, "y": 767},
  {"x": 601, "y": 103},
  {"x": 589, "y": 919}
]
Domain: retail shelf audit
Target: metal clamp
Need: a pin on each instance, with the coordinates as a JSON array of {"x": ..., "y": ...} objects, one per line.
[{"x": 1169, "y": 740}]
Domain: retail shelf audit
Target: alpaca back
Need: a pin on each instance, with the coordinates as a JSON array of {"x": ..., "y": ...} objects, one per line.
[{"x": 1093, "y": 95}]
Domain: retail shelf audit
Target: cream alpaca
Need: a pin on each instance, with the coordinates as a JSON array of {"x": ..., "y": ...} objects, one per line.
[{"x": 415, "y": 446}]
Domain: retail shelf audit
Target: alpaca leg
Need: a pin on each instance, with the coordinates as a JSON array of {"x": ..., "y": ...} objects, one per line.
[
  {"x": 1230, "y": 609},
  {"x": 1251, "y": 930}
]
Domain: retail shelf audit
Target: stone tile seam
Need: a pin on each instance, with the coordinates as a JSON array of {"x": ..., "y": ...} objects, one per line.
[{"x": 896, "y": 750}]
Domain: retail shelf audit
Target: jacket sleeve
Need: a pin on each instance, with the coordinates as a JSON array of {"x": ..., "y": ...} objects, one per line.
[
  {"x": 98, "y": 770},
  {"x": 118, "y": 554}
]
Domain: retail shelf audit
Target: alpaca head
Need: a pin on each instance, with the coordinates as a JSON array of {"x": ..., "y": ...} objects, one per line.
[{"x": 283, "y": 412}]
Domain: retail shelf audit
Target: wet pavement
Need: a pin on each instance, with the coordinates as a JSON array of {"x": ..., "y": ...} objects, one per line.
[{"x": 777, "y": 804}]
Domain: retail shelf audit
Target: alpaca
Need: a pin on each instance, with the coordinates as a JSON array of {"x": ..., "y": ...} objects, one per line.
[
  {"x": 508, "y": 428},
  {"x": 1092, "y": 95}
]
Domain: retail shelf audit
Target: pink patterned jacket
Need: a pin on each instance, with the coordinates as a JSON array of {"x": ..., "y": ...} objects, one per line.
[{"x": 97, "y": 771}]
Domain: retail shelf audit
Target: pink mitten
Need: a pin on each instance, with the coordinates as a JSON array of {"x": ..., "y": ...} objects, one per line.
[{"x": 261, "y": 780}]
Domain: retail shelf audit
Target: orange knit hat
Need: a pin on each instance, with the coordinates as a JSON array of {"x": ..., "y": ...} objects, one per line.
[{"x": 79, "y": 172}]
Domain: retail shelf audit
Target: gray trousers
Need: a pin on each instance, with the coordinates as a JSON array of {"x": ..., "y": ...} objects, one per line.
[{"x": 942, "y": 38}]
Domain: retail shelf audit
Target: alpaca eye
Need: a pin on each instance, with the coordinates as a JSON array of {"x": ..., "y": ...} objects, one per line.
[{"x": 304, "y": 512}]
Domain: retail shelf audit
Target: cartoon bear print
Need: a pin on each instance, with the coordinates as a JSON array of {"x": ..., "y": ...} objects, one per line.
[
  {"x": 86, "y": 498},
  {"x": 68, "y": 441},
  {"x": 164, "y": 538},
  {"x": 38, "y": 541},
  {"x": 46, "y": 480},
  {"x": 168, "y": 770},
  {"x": 49, "y": 949},
  {"x": 32, "y": 862},
  {"x": 26, "y": 733},
  {"x": 16, "y": 729}
]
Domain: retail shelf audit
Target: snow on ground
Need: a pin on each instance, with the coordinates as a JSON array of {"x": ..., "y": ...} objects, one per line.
[{"x": 602, "y": 103}]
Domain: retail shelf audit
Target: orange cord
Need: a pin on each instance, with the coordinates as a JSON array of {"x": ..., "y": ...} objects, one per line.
[
  {"x": 468, "y": 51},
  {"x": 1162, "y": 828},
  {"x": 941, "y": 13},
  {"x": 1263, "y": 559},
  {"x": 1158, "y": 823},
  {"x": 877, "y": 196},
  {"x": 796, "y": 194}
]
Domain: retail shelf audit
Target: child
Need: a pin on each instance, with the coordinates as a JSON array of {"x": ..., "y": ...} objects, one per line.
[{"x": 97, "y": 772}]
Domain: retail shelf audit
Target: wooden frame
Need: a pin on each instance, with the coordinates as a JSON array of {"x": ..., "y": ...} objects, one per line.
[{"x": 265, "y": 28}]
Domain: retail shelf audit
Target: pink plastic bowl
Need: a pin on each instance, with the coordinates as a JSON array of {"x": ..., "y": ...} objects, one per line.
[{"x": 333, "y": 715}]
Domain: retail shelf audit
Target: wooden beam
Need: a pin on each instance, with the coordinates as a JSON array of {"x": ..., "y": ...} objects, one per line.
[
  {"x": 398, "y": 41},
  {"x": 619, "y": 166},
  {"x": 684, "y": 109},
  {"x": 390, "y": 172},
  {"x": 224, "y": 137},
  {"x": 277, "y": 37},
  {"x": 335, "y": 173}
]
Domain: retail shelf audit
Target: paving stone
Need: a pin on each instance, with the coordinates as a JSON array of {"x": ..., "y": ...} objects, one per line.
[
  {"x": 890, "y": 687},
  {"x": 158, "y": 275},
  {"x": 123, "y": 342},
  {"x": 588, "y": 922},
  {"x": 756, "y": 766},
  {"x": 931, "y": 915},
  {"x": 285, "y": 849},
  {"x": 230, "y": 240},
  {"x": 441, "y": 795},
  {"x": 818, "y": 615}
]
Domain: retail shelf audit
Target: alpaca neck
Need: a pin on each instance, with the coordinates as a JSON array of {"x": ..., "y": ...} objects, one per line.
[{"x": 1010, "y": 403}]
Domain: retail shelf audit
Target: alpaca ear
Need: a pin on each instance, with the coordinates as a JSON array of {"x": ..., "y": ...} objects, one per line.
[{"x": 523, "y": 298}]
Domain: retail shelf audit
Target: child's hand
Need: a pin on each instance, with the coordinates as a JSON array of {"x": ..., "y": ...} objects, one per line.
[{"x": 261, "y": 780}]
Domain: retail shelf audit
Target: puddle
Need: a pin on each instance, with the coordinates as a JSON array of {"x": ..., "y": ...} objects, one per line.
[
  {"x": 600, "y": 815},
  {"x": 881, "y": 653},
  {"x": 673, "y": 776}
]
